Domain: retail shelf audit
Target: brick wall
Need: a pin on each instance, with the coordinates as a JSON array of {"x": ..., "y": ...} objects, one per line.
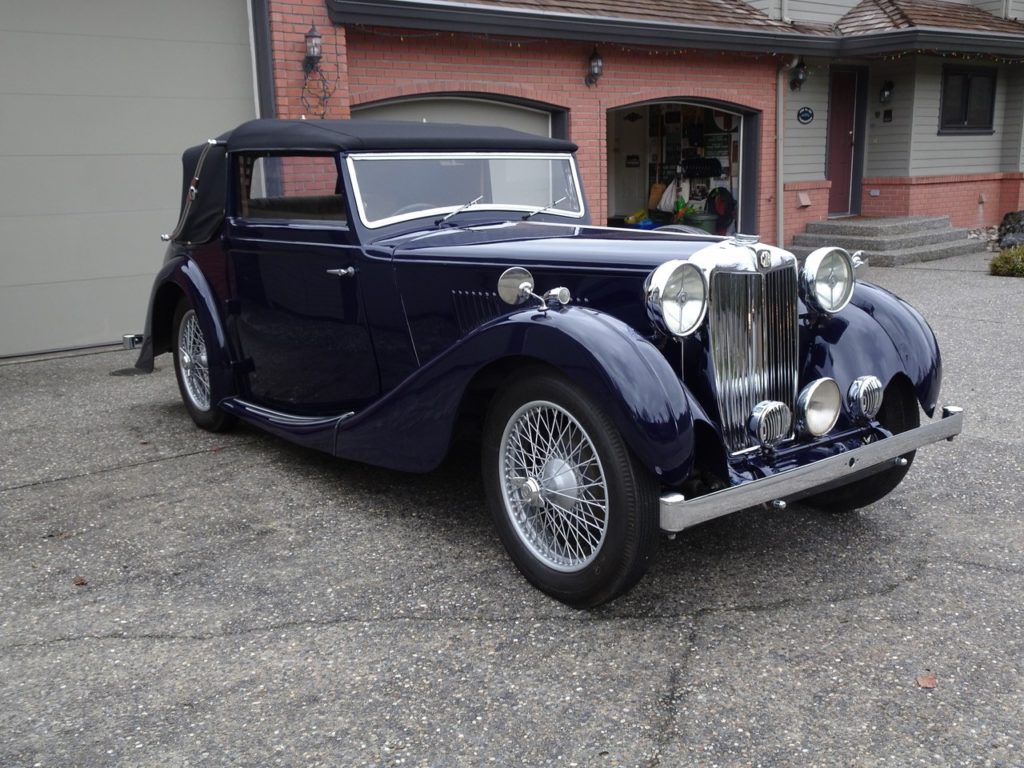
[
  {"x": 375, "y": 64},
  {"x": 974, "y": 200},
  {"x": 805, "y": 201}
]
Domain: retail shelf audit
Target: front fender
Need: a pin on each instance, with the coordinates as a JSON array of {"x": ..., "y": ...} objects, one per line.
[
  {"x": 877, "y": 334},
  {"x": 180, "y": 276},
  {"x": 411, "y": 427}
]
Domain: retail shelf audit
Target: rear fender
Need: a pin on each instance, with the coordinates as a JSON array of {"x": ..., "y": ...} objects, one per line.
[
  {"x": 179, "y": 277},
  {"x": 411, "y": 427}
]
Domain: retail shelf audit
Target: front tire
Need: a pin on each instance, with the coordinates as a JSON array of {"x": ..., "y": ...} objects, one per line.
[
  {"x": 576, "y": 512},
  {"x": 198, "y": 390}
]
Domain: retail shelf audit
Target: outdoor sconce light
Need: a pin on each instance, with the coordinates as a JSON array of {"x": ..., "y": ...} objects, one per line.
[
  {"x": 314, "y": 46},
  {"x": 595, "y": 69},
  {"x": 796, "y": 81},
  {"x": 316, "y": 87},
  {"x": 885, "y": 95}
]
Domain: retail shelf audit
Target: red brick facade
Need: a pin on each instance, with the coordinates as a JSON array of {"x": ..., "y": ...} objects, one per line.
[
  {"x": 369, "y": 64},
  {"x": 974, "y": 200},
  {"x": 805, "y": 201},
  {"x": 377, "y": 64}
]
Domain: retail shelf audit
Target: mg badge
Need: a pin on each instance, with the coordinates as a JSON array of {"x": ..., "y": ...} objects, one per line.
[{"x": 764, "y": 259}]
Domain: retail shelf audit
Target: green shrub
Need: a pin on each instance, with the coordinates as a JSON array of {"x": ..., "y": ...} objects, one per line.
[{"x": 1008, "y": 263}]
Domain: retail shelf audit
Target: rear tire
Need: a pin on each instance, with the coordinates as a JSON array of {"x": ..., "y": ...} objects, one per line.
[
  {"x": 198, "y": 388},
  {"x": 575, "y": 510},
  {"x": 899, "y": 413}
]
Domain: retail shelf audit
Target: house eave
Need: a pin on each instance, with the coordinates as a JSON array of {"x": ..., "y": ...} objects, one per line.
[
  {"x": 932, "y": 39},
  {"x": 451, "y": 16},
  {"x": 445, "y": 16}
]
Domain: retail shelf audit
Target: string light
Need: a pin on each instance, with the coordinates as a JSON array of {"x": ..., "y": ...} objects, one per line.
[{"x": 655, "y": 51}]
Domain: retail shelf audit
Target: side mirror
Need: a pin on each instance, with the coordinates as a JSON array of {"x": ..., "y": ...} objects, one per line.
[{"x": 515, "y": 285}]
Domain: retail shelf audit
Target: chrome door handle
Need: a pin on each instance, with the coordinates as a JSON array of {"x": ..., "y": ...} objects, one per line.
[{"x": 347, "y": 272}]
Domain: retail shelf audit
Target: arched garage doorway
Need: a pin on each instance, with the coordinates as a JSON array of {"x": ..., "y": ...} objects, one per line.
[
  {"x": 665, "y": 153},
  {"x": 469, "y": 110}
]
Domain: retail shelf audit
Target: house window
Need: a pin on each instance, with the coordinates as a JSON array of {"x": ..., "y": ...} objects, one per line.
[{"x": 968, "y": 99}]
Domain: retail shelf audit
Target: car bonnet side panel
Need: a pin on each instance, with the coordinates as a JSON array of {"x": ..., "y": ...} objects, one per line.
[{"x": 411, "y": 427}]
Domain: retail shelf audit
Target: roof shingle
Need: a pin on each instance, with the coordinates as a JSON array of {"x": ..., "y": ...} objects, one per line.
[{"x": 872, "y": 16}]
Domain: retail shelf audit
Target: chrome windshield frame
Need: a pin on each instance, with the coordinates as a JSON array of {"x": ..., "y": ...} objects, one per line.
[{"x": 354, "y": 158}]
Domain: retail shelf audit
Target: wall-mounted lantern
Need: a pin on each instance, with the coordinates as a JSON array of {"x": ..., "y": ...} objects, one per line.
[
  {"x": 796, "y": 80},
  {"x": 595, "y": 68},
  {"x": 885, "y": 94},
  {"x": 316, "y": 86}
]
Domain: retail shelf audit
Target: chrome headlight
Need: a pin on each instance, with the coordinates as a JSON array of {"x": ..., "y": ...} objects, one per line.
[
  {"x": 677, "y": 297},
  {"x": 817, "y": 407},
  {"x": 828, "y": 279}
]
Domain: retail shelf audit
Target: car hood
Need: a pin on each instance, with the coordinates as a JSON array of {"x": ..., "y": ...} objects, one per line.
[{"x": 551, "y": 245}]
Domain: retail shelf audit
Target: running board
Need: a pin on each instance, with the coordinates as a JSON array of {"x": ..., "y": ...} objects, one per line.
[{"x": 311, "y": 431}]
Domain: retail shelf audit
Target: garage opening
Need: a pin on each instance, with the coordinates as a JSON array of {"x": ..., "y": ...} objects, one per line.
[{"x": 680, "y": 162}]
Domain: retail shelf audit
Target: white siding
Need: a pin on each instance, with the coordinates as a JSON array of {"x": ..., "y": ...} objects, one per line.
[
  {"x": 818, "y": 11},
  {"x": 769, "y": 7},
  {"x": 940, "y": 155},
  {"x": 97, "y": 101},
  {"x": 995, "y": 7},
  {"x": 887, "y": 149},
  {"x": 1013, "y": 123},
  {"x": 804, "y": 150}
]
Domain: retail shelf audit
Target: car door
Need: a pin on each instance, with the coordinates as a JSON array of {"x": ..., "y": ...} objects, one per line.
[{"x": 296, "y": 312}]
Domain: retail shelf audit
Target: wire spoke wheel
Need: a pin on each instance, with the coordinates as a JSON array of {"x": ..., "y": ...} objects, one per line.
[
  {"x": 576, "y": 512},
  {"x": 193, "y": 361},
  {"x": 554, "y": 486},
  {"x": 202, "y": 389}
]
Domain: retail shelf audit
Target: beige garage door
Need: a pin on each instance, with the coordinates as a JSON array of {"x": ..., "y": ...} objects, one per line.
[
  {"x": 460, "y": 110},
  {"x": 97, "y": 101}
]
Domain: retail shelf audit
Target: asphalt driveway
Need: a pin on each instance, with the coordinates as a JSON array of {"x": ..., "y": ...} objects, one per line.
[{"x": 170, "y": 597}]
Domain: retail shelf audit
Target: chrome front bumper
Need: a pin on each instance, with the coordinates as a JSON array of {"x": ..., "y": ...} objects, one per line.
[{"x": 678, "y": 512}]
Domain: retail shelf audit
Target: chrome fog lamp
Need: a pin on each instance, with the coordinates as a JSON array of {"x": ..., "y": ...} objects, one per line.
[
  {"x": 817, "y": 407},
  {"x": 677, "y": 297},
  {"x": 828, "y": 279},
  {"x": 770, "y": 422},
  {"x": 864, "y": 398}
]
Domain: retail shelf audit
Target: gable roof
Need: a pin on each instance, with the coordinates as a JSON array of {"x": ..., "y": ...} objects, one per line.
[
  {"x": 872, "y": 27},
  {"x": 884, "y": 15}
]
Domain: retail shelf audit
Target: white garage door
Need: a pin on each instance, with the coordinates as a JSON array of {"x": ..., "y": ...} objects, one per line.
[
  {"x": 97, "y": 101},
  {"x": 461, "y": 110}
]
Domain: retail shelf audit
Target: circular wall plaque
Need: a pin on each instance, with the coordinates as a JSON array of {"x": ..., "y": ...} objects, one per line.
[{"x": 805, "y": 115}]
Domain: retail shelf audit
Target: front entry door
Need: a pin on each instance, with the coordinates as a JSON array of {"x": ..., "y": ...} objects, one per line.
[{"x": 842, "y": 141}]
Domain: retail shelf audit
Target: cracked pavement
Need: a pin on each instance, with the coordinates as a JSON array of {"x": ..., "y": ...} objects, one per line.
[{"x": 174, "y": 598}]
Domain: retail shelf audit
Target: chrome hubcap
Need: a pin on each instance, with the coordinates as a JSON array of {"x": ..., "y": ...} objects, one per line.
[
  {"x": 553, "y": 486},
  {"x": 195, "y": 374}
]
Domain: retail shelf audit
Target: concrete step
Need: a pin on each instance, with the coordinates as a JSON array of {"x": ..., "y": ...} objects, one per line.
[
  {"x": 873, "y": 227},
  {"x": 895, "y": 258},
  {"x": 887, "y": 242}
]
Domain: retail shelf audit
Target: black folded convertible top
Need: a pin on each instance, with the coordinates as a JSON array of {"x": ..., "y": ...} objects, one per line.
[
  {"x": 369, "y": 135},
  {"x": 204, "y": 188}
]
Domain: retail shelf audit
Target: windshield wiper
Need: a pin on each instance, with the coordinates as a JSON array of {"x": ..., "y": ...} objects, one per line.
[
  {"x": 470, "y": 204},
  {"x": 545, "y": 208}
]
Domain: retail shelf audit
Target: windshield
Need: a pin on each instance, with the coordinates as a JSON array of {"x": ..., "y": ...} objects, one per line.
[{"x": 395, "y": 187}]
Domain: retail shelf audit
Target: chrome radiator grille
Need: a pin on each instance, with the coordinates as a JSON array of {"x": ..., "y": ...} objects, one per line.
[{"x": 752, "y": 320}]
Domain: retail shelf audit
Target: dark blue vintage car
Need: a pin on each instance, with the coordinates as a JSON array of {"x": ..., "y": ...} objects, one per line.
[{"x": 374, "y": 289}]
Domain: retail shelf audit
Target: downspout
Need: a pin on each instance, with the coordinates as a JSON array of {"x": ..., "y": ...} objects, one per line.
[{"x": 780, "y": 131}]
